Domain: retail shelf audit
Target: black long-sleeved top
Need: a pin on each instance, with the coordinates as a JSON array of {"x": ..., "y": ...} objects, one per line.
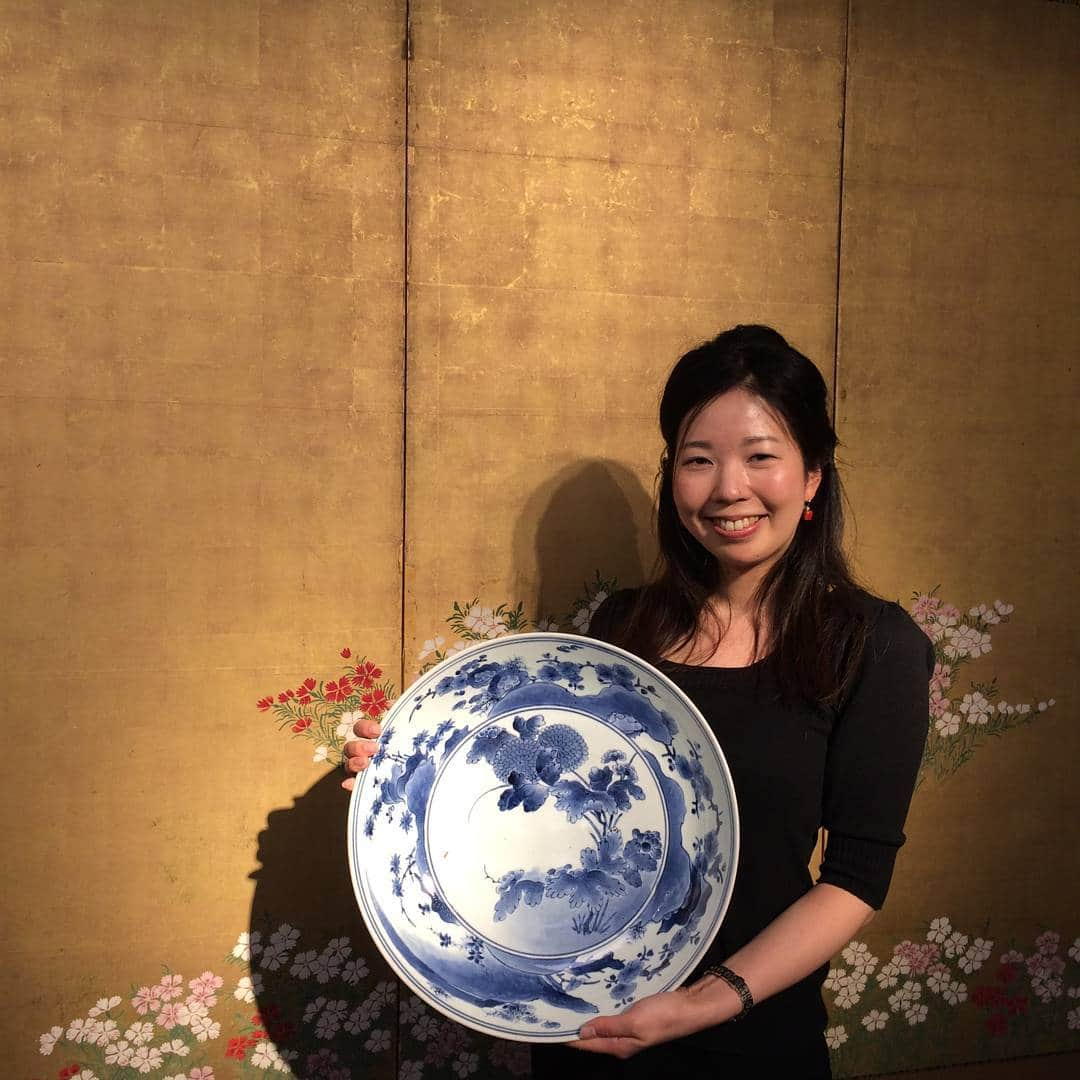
[{"x": 795, "y": 769}]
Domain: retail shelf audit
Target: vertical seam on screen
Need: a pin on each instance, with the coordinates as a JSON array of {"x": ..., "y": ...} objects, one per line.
[
  {"x": 840, "y": 221},
  {"x": 407, "y": 57},
  {"x": 407, "y": 52}
]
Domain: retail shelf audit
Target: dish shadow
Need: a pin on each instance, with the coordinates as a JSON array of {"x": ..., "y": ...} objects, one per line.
[
  {"x": 592, "y": 517},
  {"x": 302, "y": 883}
]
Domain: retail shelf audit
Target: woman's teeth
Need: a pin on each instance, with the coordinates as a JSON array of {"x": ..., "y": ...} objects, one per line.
[{"x": 737, "y": 526}]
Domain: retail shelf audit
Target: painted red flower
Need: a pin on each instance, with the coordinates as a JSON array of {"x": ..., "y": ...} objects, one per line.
[
  {"x": 1007, "y": 972},
  {"x": 338, "y": 691},
  {"x": 987, "y": 997},
  {"x": 253, "y": 1039},
  {"x": 374, "y": 703},
  {"x": 1017, "y": 1006},
  {"x": 265, "y": 703},
  {"x": 285, "y": 695},
  {"x": 71, "y": 1070},
  {"x": 302, "y": 724},
  {"x": 237, "y": 1048},
  {"x": 367, "y": 673},
  {"x": 346, "y": 653},
  {"x": 306, "y": 686},
  {"x": 996, "y": 1024}
]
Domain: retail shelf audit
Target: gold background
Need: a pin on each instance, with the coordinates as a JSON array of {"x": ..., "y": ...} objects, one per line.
[{"x": 225, "y": 405}]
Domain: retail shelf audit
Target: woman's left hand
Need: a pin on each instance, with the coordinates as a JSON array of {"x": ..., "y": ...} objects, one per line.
[{"x": 648, "y": 1022}]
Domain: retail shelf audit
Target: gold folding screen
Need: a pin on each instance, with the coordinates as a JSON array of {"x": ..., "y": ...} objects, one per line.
[{"x": 236, "y": 446}]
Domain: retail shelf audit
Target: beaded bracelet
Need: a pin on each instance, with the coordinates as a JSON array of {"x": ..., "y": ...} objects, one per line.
[{"x": 738, "y": 984}]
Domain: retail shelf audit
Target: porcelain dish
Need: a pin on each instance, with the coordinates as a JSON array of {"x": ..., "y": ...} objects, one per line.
[{"x": 547, "y": 832}]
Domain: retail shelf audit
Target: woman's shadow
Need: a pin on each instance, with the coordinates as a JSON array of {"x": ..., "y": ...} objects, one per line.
[{"x": 322, "y": 989}]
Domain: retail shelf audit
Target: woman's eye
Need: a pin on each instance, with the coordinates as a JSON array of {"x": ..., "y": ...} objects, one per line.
[{"x": 762, "y": 457}]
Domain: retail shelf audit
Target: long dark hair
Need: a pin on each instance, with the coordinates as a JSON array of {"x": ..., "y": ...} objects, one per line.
[{"x": 816, "y": 633}]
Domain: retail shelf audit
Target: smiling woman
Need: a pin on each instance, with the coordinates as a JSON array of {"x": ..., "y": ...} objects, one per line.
[{"x": 816, "y": 690}]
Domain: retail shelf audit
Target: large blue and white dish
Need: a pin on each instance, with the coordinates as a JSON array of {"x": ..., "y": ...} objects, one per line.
[{"x": 547, "y": 833}]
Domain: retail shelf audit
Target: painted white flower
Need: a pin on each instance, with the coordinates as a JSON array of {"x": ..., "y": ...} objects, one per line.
[
  {"x": 483, "y": 622},
  {"x": 581, "y": 619},
  {"x": 955, "y": 993},
  {"x": 325, "y": 967},
  {"x": 194, "y": 1008},
  {"x": 835, "y": 1037},
  {"x": 104, "y": 1005},
  {"x": 1074, "y": 950},
  {"x": 1073, "y": 992},
  {"x": 273, "y": 957},
  {"x": 85, "y": 1074},
  {"x": 146, "y": 1058},
  {"x": 937, "y": 980},
  {"x": 302, "y": 964},
  {"x": 410, "y": 1070},
  {"x": 1003, "y": 609},
  {"x": 989, "y": 615},
  {"x": 835, "y": 979},
  {"x": 247, "y": 945},
  {"x": 47, "y": 1042},
  {"x": 425, "y": 1027},
  {"x": 359, "y": 1020},
  {"x": 548, "y": 626},
  {"x": 263, "y": 1057},
  {"x": 1048, "y": 942},
  {"x": 327, "y": 1026},
  {"x": 1072, "y": 1018},
  {"x": 354, "y": 970},
  {"x": 176, "y": 1047},
  {"x": 313, "y": 1008},
  {"x": 466, "y": 1063},
  {"x": 338, "y": 948},
  {"x": 119, "y": 1053},
  {"x": 248, "y": 987},
  {"x": 321, "y": 754},
  {"x": 456, "y": 648},
  {"x": 976, "y": 708},
  {"x": 886, "y": 977},
  {"x": 955, "y": 944},
  {"x": 285, "y": 936},
  {"x": 345, "y": 724},
  {"x": 79, "y": 1030},
  {"x": 431, "y": 645},
  {"x": 966, "y": 641},
  {"x": 847, "y": 996},
  {"x": 108, "y": 1032},
  {"x": 874, "y": 1020},
  {"x": 378, "y": 1041},
  {"x": 855, "y": 954},
  {"x": 916, "y": 1014},
  {"x": 203, "y": 1028},
  {"x": 1014, "y": 956},
  {"x": 139, "y": 1034},
  {"x": 940, "y": 928},
  {"x": 948, "y": 724},
  {"x": 410, "y": 1008}
]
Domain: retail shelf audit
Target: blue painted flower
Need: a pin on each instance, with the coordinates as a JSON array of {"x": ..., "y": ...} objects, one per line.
[
  {"x": 569, "y": 747},
  {"x": 561, "y": 671},
  {"x": 616, "y": 674}
]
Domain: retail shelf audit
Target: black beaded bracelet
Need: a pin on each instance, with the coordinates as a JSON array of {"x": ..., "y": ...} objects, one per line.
[{"x": 738, "y": 984}]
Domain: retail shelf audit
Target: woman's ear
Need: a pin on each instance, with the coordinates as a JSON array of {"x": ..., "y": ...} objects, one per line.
[{"x": 813, "y": 482}]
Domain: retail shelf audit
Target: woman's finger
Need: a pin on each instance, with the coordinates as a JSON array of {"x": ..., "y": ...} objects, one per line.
[
  {"x": 367, "y": 728},
  {"x": 358, "y": 753}
]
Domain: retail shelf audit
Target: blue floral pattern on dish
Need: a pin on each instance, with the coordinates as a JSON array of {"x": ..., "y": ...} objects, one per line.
[{"x": 547, "y": 831}]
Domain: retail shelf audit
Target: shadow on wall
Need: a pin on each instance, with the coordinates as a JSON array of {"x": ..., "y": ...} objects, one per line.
[{"x": 593, "y": 515}]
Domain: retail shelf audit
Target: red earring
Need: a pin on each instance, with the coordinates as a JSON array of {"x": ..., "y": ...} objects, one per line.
[{"x": 808, "y": 514}]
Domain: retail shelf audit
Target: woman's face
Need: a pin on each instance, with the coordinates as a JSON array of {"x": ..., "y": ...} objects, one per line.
[{"x": 740, "y": 483}]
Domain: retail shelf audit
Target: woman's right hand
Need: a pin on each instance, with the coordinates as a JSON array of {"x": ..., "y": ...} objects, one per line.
[{"x": 358, "y": 751}]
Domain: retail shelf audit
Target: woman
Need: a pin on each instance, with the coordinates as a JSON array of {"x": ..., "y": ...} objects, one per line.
[{"x": 817, "y": 692}]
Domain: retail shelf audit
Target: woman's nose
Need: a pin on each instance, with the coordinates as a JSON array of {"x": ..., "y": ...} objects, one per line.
[{"x": 731, "y": 485}]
